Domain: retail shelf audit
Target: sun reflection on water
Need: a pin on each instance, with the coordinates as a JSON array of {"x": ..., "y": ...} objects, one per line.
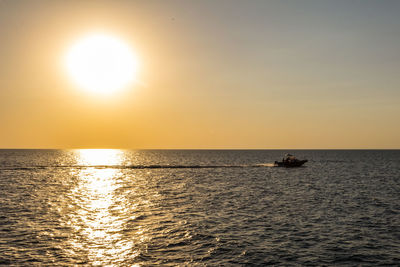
[
  {"x": 101, "y": 212},
  {"x": 96, "y": 157}
]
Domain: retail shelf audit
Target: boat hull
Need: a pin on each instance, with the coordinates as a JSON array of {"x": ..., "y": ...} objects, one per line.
[{"x": 297, "y": 163}]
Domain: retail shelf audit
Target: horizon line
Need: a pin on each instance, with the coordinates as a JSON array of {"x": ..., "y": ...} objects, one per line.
[{"x": 202, "y": 148}]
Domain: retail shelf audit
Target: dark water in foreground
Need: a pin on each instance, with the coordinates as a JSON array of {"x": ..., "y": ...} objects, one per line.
[{"x": 198, "y": 208}]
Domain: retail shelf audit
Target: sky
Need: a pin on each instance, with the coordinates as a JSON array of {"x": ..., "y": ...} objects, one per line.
[{"x": 300, "y": 74}]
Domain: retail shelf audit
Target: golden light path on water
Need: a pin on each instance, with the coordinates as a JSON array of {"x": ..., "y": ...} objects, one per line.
[{"x": 102, "y": 212}]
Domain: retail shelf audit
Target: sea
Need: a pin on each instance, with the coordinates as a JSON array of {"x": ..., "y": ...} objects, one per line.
[{"x": 199, "y": 208}]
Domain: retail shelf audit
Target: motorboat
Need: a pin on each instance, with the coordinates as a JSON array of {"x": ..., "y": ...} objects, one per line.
[{"x": 290, "y": 161}]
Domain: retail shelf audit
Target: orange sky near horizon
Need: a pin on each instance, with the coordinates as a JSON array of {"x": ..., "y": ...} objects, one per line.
[{"x": 213, "y": 75}]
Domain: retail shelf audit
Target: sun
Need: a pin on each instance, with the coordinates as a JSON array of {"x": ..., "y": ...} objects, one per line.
[{"x": 101, "y": 64}]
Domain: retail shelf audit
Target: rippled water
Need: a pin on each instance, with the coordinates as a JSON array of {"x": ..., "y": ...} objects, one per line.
[{"x": 117, "y": 207}]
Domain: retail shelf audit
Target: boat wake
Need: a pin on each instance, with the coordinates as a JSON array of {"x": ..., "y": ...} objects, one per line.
[{"x": 260, "y": 165}]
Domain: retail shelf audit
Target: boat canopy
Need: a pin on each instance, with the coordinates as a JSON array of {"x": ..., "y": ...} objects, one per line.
[{"x": 290, "y": 157}]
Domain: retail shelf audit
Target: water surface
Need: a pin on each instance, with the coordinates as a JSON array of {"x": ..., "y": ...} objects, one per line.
[{"x": 121, "y": 207}]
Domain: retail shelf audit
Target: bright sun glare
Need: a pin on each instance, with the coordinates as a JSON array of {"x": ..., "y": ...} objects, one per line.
[{"x": 101, "y": 64}]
